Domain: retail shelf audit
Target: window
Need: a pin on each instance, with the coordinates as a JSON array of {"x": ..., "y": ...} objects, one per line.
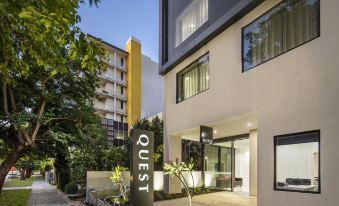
[
  {"x": 193, "y": 17},
  {"x": 297, "y": 162},
  {"x": 288, "y": 25},
  {"x": 122, "y": 61},
  {"x": 121, "y": 90},
  {"x": 193, "y": 79},
  {"x": 122, "y": 76},
  {"x": 121, "y": 104}
]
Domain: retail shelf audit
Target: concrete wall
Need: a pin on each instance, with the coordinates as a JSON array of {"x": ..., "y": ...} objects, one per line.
[
  {"x": 295, "y": 92},
  {"x": 152, "y": 88}
]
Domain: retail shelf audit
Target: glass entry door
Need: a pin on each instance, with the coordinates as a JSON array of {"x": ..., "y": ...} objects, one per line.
[
  {"x": 226, "y": 165},
  {"x": 218, "y": 166}
]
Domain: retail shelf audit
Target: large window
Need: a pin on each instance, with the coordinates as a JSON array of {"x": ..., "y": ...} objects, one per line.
[
  {"x": 193, "y": 79},
  {"x": 297, "y": 162},
  {"x": 193, "y": 17},
  {"x": 288, "y": 25}
]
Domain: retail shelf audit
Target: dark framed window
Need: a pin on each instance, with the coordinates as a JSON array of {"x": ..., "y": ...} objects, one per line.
[
  {"x": 122, "y": 76},
  {"x": 286, "y": 26},
  {"x": 193, "y": 79},
  {"x": 297, "y": 162},
  {"x": 121, "y": 104},
  {"x": 121, "y": 90},
  {"x": 122, "y": 61}
]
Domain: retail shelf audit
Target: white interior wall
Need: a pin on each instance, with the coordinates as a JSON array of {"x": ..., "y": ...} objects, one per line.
[
  {"x": 300, "y": 157},
  {"x": 242, "y": 166}
]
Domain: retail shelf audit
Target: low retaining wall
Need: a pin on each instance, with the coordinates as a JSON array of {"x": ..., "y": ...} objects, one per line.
[{"x": 97, "y": 180}]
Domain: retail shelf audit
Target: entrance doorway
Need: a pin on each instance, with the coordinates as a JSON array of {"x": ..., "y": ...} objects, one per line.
[{"x": 227, "y": 164}]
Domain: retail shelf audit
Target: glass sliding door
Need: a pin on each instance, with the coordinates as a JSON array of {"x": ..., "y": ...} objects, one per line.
[{"x": 218, "y": 166}]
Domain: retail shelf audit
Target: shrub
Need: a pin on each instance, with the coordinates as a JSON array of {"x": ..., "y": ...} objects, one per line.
[{"x": 71, "y": 188}]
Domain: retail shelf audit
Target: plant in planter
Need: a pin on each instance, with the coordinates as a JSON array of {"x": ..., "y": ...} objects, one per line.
[
  {"x": 177, "y": 170},
  {"x": 118, "y": 180}
]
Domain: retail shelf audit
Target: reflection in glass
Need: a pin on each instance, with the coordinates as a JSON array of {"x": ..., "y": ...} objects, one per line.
[{"x": 286, "y": 26}]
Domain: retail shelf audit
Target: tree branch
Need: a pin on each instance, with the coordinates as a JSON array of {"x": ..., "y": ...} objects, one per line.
[
  {"x": 11, "y": 96},
  {"x": 38, "y": 125},
  {"x": 5, "y": 100}
]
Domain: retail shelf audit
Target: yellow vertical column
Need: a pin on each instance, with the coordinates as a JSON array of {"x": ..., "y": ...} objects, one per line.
[{"x": 133, "y": 47}]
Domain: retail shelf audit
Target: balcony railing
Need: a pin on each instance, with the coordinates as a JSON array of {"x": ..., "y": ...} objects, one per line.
[
  {"x": 119, "y": 81},
  {"x": 121, "y": 111},
  {"x": 106, "y": 76},
  {"x": 104, "y": 108},
  {"x": 111, "y": 94},
  {"x": 118, "y": 66},
  {"x": 123, "y": 68},
  {"x": 121, "y": 96}
]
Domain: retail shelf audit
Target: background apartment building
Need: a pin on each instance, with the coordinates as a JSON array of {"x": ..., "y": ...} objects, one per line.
[
  {"x": 127, "y": 90},
  {"x": 251, "y": 95}
]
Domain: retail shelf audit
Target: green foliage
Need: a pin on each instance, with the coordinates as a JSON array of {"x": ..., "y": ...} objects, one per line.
[
  {"x": 71, "y": 188},
  {"x": 117, "y": 174},
  {"x": 80, "y": 163},
  {"x": 114, "y": 157}
]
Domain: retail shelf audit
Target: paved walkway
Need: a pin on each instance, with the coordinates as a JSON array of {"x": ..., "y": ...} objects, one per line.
[
  {"x": 212, "y": 199},
  {"x": 44, "y": 194}
]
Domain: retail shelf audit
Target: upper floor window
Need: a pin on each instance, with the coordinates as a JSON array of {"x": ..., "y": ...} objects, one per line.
[
  {"x": 288, "y": 25},
  {"x": 193, "y": 17},
  {"x": 193, "y": 79}
]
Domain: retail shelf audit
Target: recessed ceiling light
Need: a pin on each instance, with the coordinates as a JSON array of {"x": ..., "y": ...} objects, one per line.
[
  {"x": 249, "y": 124},
  {"x": 215, "y": 131}
]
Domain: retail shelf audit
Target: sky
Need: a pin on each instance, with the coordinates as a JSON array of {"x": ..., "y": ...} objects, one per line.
[{"x": 114, "y": 21}]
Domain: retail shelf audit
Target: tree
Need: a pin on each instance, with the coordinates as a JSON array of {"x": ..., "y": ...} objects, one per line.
[
  {"x": 47, "y": 76},
  {"x": 177, "y": 170}
]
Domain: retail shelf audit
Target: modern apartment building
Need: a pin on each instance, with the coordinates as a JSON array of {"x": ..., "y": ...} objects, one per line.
[
  {"x": 251, "y": 96},
  {"x": 122, "y": 88}
]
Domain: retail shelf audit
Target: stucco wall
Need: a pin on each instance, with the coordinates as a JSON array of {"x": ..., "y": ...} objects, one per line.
[{"x": 295, "y": 92}]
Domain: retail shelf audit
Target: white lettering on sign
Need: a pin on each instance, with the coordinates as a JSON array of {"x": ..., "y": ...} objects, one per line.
[
  {"x": 209, "y": 141},
  {"x": 143, "y": 166},
  {"x": 143, "y": 141}
]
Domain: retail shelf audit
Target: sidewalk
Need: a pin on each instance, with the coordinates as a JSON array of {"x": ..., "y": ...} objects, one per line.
[{"x": 44, "y": 194}]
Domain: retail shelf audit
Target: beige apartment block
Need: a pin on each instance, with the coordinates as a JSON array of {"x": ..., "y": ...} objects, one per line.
[{"x": 295, "y": 93}]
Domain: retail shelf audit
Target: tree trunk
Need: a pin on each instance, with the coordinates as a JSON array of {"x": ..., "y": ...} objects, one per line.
[
  {"x": 10, "y": 161},
  {"x": 22, "y": 174},
  {"x": 28, "y": 173}
]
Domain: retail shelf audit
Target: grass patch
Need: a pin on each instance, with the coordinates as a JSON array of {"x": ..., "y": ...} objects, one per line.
[
  {"x": 20, "y": 183},
  {"x": 14, "y": 197}
]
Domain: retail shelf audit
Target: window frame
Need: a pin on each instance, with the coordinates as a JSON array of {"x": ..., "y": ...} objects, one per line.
[
  {"x": 262, "y": 15},
  {"x": 319, "y": 161},
  {"x": 179, "y": 73}
]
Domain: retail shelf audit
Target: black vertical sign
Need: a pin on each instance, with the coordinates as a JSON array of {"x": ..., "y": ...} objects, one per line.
[
  {"x": 206, "y": 135},
  {"x": 142, "y": 168}
]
